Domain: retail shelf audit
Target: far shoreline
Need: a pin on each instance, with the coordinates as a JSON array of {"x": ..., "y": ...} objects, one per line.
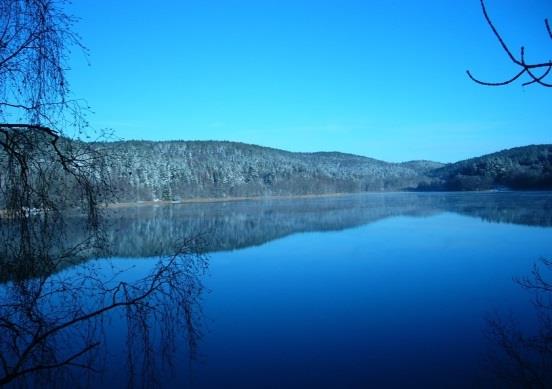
[
  {"x": 199, "y": 200},
  {"x": 207, "y": 200},
  {"x": 196, "y": 200}
]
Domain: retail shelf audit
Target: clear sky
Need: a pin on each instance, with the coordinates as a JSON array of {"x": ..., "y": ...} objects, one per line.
[{"x": 382, "y": 78}]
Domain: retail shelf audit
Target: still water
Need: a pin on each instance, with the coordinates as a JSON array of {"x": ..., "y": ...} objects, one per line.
[{"x": 359, "y": 291}]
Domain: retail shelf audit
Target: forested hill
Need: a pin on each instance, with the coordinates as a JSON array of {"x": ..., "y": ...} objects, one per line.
[
  {"x": 175, "y": 170},
  {"x": 521, "y": 168},
  {"x": 180, "y": 170}
]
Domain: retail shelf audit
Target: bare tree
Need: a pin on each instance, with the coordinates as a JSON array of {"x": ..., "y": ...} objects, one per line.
[
  {"x": 36, "y": 37},
  {"x": 51, "y": 321},
  {"x": 536, "y": 71},
  {"x": 43, "y": 171},
  {"x": 37, "y": 113}
]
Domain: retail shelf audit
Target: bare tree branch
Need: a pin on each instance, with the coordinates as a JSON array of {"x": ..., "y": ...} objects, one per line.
[{"x": 526, "y": 68}]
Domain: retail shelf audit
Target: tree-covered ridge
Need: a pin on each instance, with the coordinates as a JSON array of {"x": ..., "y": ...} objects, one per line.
[
  {"x": 179, "y": 170},
  {"x": 528, "y": 167},
  {"x": 174, "y": 170}
]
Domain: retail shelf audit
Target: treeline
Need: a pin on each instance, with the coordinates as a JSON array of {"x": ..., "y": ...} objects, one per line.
[
  {"x": 520, "y": 168},
  {"x": 176, "y": 170},
  {"x": 179, "y": 170}
]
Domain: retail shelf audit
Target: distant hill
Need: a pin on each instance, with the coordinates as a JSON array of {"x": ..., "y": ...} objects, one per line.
[
  {"x": 175, "y": 170},
  {"x": 180, "y": 170},
  {"x": 520, "y": 168},
  {"x": 423, "y": 166}
]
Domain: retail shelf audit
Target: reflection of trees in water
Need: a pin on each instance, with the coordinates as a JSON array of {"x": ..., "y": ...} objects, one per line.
[
  {"x": 54, "y": 324},
  {"x": 146, "y": 231},
  {"x": 522, "y": 358}
]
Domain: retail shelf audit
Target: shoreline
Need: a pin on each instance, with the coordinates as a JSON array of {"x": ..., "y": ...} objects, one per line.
[{"x": 197, "y": 200}]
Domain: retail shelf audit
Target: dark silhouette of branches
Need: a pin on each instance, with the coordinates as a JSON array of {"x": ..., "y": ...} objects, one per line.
[
  {"x": 55, "y": 323},
  {"x": 521, "y": 359},
  {"x": 52, "y": 183},
  {"x": 43, "y": 172},
  {"x": 35, "y": 39},
  {"x": 42, "y": 169},
  {"x": 537, "y": 72}
]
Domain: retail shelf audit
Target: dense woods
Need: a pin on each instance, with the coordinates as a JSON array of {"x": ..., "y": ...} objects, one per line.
[
  {"x": 172, "y": 171},
  {"x": 520, "y": 168},
  {"x": 180, "y": 170},
  {"x": 177, "y": 170}
]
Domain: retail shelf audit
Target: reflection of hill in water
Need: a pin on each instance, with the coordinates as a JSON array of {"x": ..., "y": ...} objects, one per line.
[{"x": 153, "y": 230}]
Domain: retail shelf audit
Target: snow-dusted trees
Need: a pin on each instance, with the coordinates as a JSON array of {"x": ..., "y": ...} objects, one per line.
[{"x": 181, "y": 169}]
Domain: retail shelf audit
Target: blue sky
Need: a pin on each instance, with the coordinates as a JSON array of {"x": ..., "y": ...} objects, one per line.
[{"x": 385, "y": 79}]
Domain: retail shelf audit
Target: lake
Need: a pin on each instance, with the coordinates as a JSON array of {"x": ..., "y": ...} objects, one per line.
[{"x": 353, "y": 291}]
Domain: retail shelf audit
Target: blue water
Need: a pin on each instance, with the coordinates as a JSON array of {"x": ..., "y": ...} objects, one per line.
[
  {"x": 353, "y": 292},
  {"x": 400, "y": 302}
]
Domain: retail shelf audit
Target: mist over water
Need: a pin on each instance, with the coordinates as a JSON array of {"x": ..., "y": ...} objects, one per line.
[
  {"x": 153, "y": 230},
  {"x": 372, "y": 290}
]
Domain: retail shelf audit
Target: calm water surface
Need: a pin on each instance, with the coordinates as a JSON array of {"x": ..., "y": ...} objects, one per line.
[{"x": 375, "y": 290}]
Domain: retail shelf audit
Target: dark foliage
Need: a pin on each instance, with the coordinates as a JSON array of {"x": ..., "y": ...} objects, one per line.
[{"x": 520, "y": 168}]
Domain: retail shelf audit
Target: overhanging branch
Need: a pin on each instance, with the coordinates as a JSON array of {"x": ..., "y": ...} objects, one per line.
[{"x": 526, "y": 68}]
